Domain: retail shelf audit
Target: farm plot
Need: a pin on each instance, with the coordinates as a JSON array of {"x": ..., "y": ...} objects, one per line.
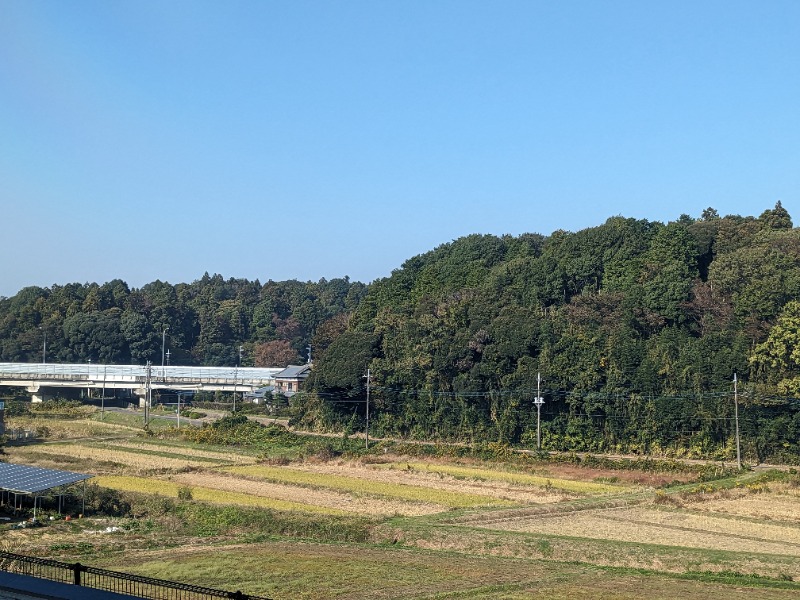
[
  {"x": 494, "y": 476},
  {"x": 369, "y": 487},
  {"x": 318, "y": 497},
  {"x": 161, "y": 487},
  {"x": 670, "y": 528},
  {"x": 417, "y": 474},
  {"x": 157, "y": 448},
  {"x": 308, "y": 570},
  {"x": 67, "y": 429},
  {"x": 132, "y": 459},
  {"x": 781, "y": 504}
]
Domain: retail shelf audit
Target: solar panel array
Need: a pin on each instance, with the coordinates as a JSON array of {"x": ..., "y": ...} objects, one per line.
[{"x": 30, "y": 480}]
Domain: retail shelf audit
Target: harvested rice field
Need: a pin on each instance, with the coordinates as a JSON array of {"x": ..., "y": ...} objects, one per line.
[
  {"x": 149, "y": 447},
  {"x": 782, "y": 503},
  {"x": 663, "y": 527},
  {"x": 161, "y": 487},
  {"x": 352, "y": 483},
  {"x": 309, "y": 496},
  {"x": 493, "y": 476},
  {"x": 127, "y": 458},
  {"x": 437, "y": 477}
]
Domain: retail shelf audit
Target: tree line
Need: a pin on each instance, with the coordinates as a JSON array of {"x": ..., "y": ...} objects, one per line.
[{"x": 201, "y": 323}]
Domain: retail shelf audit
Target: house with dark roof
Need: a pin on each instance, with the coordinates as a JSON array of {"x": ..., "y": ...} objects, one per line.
[{"x": 289, "y": 381}]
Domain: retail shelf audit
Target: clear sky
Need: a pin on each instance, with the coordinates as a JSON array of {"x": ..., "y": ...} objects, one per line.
[{"x": 149, "y": 140}]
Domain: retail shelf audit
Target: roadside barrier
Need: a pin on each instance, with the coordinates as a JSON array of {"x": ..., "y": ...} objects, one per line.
[{"x": 112, "y": 581}]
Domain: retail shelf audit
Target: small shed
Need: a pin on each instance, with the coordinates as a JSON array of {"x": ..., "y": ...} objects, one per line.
[
  {"x": 24, "y": 480},
  {"x": 257, "y": 396}
]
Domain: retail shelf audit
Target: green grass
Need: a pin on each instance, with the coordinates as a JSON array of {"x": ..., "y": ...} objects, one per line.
[
  {"x": 363, "y": 486},
  {"x": 316, "y": 571}
]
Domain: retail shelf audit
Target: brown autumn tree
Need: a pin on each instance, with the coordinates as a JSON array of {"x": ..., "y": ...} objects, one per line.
[{"x": 277, "y": 353}]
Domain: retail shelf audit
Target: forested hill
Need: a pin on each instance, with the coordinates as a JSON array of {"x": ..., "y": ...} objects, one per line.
[
  {"x": 637, "y": 328},
  {"x": 627, "y": 306},
  {"x": 204, "y": 322}
]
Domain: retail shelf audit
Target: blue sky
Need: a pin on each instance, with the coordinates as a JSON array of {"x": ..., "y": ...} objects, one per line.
[{"x": 149, "y": 140}]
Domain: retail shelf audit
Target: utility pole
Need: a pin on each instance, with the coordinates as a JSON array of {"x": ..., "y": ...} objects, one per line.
[
  {"x": 103, "y": 399},
  {"x": 736, "y": 414},
  {"x": 366, "y": 430},
  {"x": 44, "y": 345},
  {"x": 236, "y": 376},
  {"x": 538, "y": 402},
  {"x": 148, "y": 393},
  {"x": 163, "y": 339}
]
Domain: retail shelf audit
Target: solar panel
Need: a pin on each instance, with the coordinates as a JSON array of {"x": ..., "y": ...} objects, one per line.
[{"x": 30, "y": 480}]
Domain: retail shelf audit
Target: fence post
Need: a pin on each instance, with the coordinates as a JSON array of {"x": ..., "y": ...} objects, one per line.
[{"x": 76, "y": 573}]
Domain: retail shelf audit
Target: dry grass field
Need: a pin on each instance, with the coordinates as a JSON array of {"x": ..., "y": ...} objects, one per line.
[
  {"x": 389, "y": 526},
  {"x": 313, "y": 497},
  {"x": 653, "y": 525}
]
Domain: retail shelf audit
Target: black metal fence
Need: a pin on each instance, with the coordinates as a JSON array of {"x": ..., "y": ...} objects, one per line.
[
  {"x": 112, "y": 581},
  {"x": 20, "y": 436}
]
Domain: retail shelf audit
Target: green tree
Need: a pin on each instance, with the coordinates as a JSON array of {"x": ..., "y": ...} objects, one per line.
[
  {"x": 777, "y": 360},
  {"x": 777, "y": 218},
  {"x": 668, "y": 273},
  {"x": 341, "y": 371}
]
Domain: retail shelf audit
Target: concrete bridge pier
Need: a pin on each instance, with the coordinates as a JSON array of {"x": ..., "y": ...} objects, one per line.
[
  {"x": 39, "y": 393},
  {"x": 141, "y": 394}
]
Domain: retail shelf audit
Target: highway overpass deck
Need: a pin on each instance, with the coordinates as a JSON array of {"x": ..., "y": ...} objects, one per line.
[{"x": 36, "y": 377}]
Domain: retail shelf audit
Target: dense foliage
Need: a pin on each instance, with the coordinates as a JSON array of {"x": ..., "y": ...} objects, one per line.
[
  {"x": 636, "y": 327},
  {"x": 204, "y": 322}
]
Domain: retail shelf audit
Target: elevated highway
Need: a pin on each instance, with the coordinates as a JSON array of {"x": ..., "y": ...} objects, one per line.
[{"x": 43, "y": 379}]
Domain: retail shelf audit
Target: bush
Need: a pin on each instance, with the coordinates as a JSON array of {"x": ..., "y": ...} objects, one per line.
[
  {"x": 230, "y": 422},
  {"x": 204, "y": 519},
  {"x": 16, "y": 408},
  {"x": 60, "y": 408},
  {"x": 663, "y": 499},
  {"x": 105, "y": 501},
  {"x": 237, "y": 430},
  {"x": 322, "y": 450}
]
